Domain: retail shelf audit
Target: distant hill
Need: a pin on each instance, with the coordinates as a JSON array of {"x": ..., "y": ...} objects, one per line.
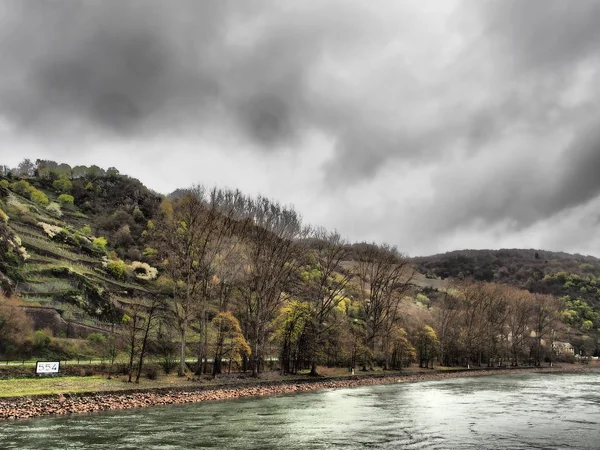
[
  {"x": 573, "y": 278},
  {"x": 514, "y": 266}
]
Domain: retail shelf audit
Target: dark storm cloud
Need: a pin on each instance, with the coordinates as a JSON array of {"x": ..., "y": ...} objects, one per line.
[
  {"x": 123, "y": 67},
  {"x": 131, "y": 68},
  {"x": 545, "y": 34},
  {"x": 579, "y": 181},
  {"x": 489, "y": 109},
  {"x": 259, "y": 70},
  {"x": 539, "y": 50}
]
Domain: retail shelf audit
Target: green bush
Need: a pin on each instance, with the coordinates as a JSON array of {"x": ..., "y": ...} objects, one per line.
[
  {"x": 54, "y": 210},
  {"x": 20, "y": 187},
  {"x": 62, "y": 185},
  {"x": 96, "y": 339},
  {"x": 41, "y": 340},
  {"x": 99, "y": 243},
  {"x": 87, "y": 230},
  {"x": 66, "y": 199},
  {"x": 118, "y": 269},
  {"x": 138, "y": 215},
  {"x": 149, "y": 252},
  {"x": 4, "y": 184},
  {"x": 39, "y": 197}
]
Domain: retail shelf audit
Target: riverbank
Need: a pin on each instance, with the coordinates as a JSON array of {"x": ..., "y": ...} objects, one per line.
[{"x": 61, "y": 404}]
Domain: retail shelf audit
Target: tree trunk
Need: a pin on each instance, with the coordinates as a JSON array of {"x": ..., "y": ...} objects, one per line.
[
  {"x": 313, "y": 369},
  {"x": 255, "y": 358},
  {"x": 143, "y": 349},
  {"x": 181, "y": 372},
  {"x": 132, "y": 349}
]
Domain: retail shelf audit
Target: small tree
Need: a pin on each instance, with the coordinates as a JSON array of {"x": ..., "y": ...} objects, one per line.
[
  {"x": 66, "y": 200},
  {"x": 118, "y": 269},
  {"x": 230, "y": 341},
  {"x": 54, "y": 210},
  {"x": 38, "y": 197},
  {"x": 427, "y": 346},
  {"x": 99, "y": 243},
  {"x": 20, "y": 187},
  {"x": 403, "y": 353},
  {"x": 15, "y": 327},
  {"x": 62, "y": 185}
]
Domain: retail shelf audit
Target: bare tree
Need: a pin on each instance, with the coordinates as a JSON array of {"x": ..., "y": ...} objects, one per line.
[
  {"x": 189, "y": 234},
  {"x": 131, "y": 326},
  {"x": 272, "y": 250},
  {"x": 326, "y": 287},
  {"x": 153, "y": 308},
  {"x": 476, "y": 300},
  {"x": 520, "y": 311},
  {"x": 385, "y": 277},
  {"x": 448, "y": 325},
  {"x": 546, "y": 310}
]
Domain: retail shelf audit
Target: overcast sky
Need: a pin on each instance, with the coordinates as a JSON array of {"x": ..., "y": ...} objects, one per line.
[{"x": 431, "y": 125}]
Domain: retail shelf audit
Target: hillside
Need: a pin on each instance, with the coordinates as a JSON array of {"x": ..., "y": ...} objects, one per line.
[
  {"x": 574, "y": 279},
  {"x": 514, "y": 266},
  {"x": 86, "y": 250},
  {"x": 556, "y": 273},
  {"x": 64, "y": 226}
]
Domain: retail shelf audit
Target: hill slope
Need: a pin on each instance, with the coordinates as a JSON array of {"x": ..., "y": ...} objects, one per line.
[
  {"x": 72, "y": 240},
  {"x": 63, "y": 228}
]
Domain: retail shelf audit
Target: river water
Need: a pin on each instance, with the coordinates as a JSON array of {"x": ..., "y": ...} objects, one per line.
[{"x": 524, "y": 411}]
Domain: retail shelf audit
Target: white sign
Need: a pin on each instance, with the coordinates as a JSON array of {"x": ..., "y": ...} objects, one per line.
[{"x": 47, "y": 367}]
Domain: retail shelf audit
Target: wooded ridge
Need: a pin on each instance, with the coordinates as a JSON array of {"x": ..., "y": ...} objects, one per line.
[{"x": 241, "y": 283}]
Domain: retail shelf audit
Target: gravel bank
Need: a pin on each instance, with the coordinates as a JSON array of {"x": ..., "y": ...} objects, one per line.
[{"x": 28, "y": 407}]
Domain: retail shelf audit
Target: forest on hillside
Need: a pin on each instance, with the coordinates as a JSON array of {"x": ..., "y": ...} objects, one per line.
[{"x": 238, "y": 282}]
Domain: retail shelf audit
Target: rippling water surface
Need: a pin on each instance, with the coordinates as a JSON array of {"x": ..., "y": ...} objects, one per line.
[{"x": 525, "y": 411}]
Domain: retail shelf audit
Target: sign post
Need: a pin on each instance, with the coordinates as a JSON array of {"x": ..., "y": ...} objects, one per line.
[{"x": 47, "y": 367}]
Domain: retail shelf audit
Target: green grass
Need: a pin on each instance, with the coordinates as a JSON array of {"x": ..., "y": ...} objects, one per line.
[
  {"x": 60, "y": 385},
  {"x": 97, "y": 277},
  {"x": 53, "y": 264},
  {"x": 36, "y": 299},
  {"x": 44, "y": 386},
  {"x": 53, "y": 248},
  {"x": 29, "y": 230},
  {"x": 49, "y": 285}
]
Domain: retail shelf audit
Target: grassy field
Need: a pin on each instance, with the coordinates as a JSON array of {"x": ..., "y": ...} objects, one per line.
[
  {"x": 60, "y": 385},
  {"x": 22, "y": 387}
]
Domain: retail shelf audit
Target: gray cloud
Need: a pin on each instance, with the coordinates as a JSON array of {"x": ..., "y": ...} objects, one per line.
[
  {"x": 545, "y": 34},
  {"x": 130, "y": 67},
  {"x": 540, "y": 109},
  {"x": 264, "y": 70},
  {"x": 496, "y": 102}
]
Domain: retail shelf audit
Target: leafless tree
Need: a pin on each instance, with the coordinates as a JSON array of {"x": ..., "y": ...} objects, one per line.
[
  {"x": 271, "y": 240},
  {"x": 326, "y": 290},
  {"x": 189, "y": 234},
  {"x": 385, "y": 277}
]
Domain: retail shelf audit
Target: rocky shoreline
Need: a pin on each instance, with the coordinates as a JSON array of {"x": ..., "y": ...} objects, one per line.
[{"x": 61, "y": 404}]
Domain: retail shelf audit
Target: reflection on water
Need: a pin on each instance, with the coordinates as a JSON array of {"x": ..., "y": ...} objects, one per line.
[{"x": 499, "y": 412}]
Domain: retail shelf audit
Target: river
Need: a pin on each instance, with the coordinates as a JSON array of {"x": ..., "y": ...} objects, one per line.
[{"x": 523, "y": 411}]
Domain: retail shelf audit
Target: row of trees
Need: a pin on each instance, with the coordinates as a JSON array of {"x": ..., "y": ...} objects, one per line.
[
  {"x": 283, "y": 282},
  {"x": 244, "y": 278},
  {"x": 317, "y": 299},
  {"x": 52, "y": 170},
  {"x": 491, "y": 323}
]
